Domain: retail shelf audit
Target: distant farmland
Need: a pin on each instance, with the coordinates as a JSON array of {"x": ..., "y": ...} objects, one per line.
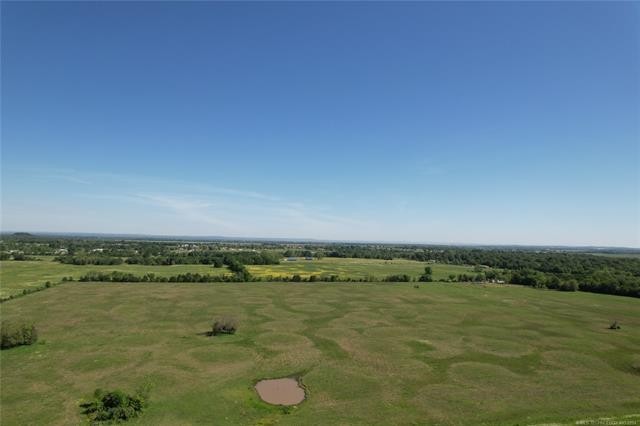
[
  {"x": 355, "y": 268},
  {"x": 16, "y": 276}
]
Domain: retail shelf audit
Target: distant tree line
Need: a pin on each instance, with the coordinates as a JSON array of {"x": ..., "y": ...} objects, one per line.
[
  {"x": 85, "y": 259},
  {"x": 127, "y": 277},
  {"x": 239, "y": 276},
  {"x": 566, "y": 269},
  {"x": 217, "y": 259},
  {"x": 16, "y": 256}
]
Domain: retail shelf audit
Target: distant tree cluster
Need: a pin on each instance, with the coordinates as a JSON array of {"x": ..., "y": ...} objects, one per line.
[
  {"x": 398, "y": 278},
  {"x": 16, "y": 256},
  {"x": 89, "y": 260},
  {"x": 427, "y": 276},
  {"x": 12, "y": 335}
]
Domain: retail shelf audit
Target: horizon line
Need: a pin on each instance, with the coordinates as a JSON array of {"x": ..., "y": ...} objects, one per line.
[{"x": 180, "y": 237}]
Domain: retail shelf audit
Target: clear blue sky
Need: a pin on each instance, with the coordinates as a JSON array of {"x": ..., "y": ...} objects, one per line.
[{"x": 426, "y": 122}]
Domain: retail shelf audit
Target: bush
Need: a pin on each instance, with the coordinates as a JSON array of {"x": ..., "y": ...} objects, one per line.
[
  {"x": 571, "y": 285},
  {"x": 224, "y": 325},
  {"x": 17, "y": 335},
  {"x": 398, "y": 278},
  {"x": 114, "y": 406}
]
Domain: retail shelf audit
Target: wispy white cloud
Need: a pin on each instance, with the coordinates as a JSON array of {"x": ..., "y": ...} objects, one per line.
[
  {"x": 189, "y": 208},
  {"x": 198, "y": 207},
  {"x": 103, "y": 202}
]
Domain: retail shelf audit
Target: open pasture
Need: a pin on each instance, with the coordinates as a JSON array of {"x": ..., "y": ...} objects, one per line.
[
  {"x": 455, "y": 354},
  {"x": 18, "y": 275}
]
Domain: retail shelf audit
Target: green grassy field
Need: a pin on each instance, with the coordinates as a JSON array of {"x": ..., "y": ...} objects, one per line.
[
  {"x": 17, "y": 275},
  {"x": 367, "y": 353},
  {"x": 355, "y": 268}
]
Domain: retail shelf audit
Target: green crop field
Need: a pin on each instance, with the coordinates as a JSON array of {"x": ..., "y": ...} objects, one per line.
[
  {"x": 355, "y": 268},
  {"x": 367, "y": 353}
]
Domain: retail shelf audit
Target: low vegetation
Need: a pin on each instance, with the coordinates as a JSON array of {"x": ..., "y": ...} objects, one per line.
[
  {"x": 224, "y": 325},
  {"x": 123, "y": 277},
  {"x": 427, "y": 276},
  {"x": 29, "y": 290},
  {"x": 12, "y": 335},
  {"x": 114, "y": 406},
  {"x": 398, "y": 278}
]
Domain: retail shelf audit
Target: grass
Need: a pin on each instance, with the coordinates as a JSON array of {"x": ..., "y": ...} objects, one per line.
[
  {"x": 440, "y": 354},
  {"x": 18, "y": 275},
  {"x": 356, "y": 268}
]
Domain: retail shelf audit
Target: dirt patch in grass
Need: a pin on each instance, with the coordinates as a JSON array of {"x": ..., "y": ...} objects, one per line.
[{"x": 286, "y": 391}]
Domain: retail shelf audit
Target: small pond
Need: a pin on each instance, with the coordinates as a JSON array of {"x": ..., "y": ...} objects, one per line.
[{"x": 284, "y": 391}]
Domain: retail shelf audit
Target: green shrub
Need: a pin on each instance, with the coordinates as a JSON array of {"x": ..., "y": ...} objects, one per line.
[
  {"x": 571, "y": 285},
  {"x": 427, "y": 276},
  {"x": 17, "y": 335},
  {"x": 114, "y": 406},
  {"x": 224, "y": 325},
  {"x": 398, "y": 278}
]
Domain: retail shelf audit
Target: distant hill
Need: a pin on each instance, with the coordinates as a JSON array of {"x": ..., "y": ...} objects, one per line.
[{"x": 22, "y": 234}]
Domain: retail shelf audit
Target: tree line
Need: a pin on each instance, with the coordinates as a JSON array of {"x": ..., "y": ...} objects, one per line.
[
  {"x": 536, "y": 268},
  {"x": 218, "y": 259}
]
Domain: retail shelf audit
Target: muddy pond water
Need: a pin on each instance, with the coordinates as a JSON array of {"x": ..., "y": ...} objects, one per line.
[{"x": 284, "y": 391}]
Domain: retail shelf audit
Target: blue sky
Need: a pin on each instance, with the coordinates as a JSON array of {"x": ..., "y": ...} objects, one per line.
[{"x": 424, "y": 122}]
